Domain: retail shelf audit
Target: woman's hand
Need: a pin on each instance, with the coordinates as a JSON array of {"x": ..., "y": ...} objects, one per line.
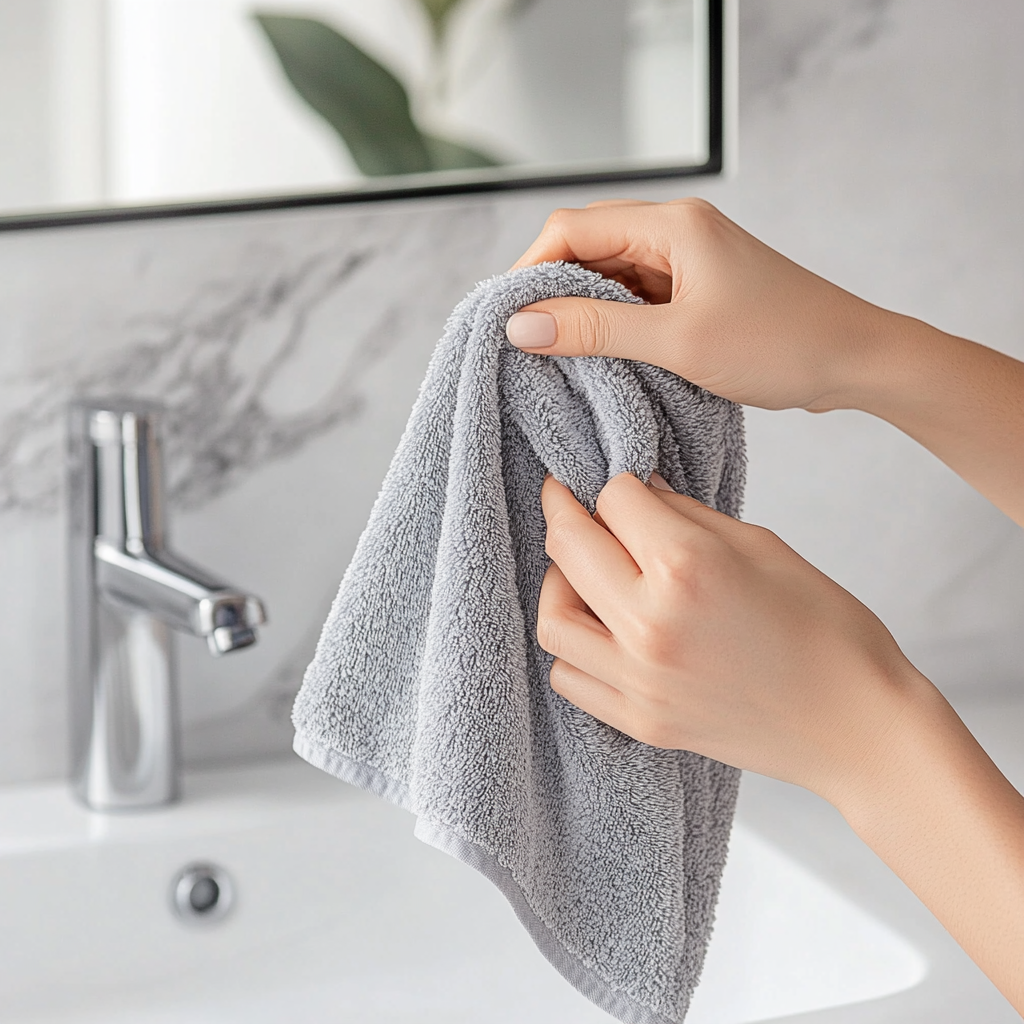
[
  {"x": 737, "y": 318},
  {"x": 727, "y": 313},
  {"x": 684, "y": 628},
  {"x": 687, "y": 629}
]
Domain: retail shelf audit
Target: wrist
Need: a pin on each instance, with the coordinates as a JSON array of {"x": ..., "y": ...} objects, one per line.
[
  {"x": 959, "y": 399},
  {"x": 901, "y": 731},
  {"x": 911, "y": 766},
  {"x": 903, "y": 370},
  {"x": 886, "y": 358},
  {"x": 878, "y": 733}
]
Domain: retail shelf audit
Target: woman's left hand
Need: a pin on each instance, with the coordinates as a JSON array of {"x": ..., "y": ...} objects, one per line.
[{"x": 685, "y": 628}]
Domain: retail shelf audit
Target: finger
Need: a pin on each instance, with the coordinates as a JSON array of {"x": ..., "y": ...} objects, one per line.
[
  {"x": 646, "y": 525},
  {"x": 568, "y": 629},
  {"x": 645, "y": 234},
  {"x": 557, "y": 596},
  {"x": 650, "y": 285},
  {"x": 632, "y": 232},
  {"x": 551, "y": 244},
  {"x": 742, "y": 536},
  {"x": 596, "y": 565},
  {"x": 596, "y": 327},
  {"x": 592, "y": 695}
]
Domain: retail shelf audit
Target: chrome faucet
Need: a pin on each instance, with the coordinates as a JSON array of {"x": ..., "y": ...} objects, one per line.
[{"x": 127, "y": 593}]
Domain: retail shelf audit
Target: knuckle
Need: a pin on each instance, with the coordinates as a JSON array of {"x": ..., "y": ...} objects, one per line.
[
  {"x": 549, "y": 633},
  {"x": 697, "y": 210},
  {"x": 677, "y": 564},
  {"x": 682, "y": 568},
  {"x": 558, "y": 677},
  {"x": 652, "y": 641},
  {"x": 762, "y": 545},
  {"x": 593, "y": 330},
  {"x": 688, "y": 566},
  {"x": 560, "y": 527},
  {"x": 656, "y": 732},
  {"x": 698, "y": 207},
  {"x": 765, "y": 539},
  {"x": 557, "y": 219},
  {"x": 698, "y": 216},
  {"x": 660, "y": 645}
]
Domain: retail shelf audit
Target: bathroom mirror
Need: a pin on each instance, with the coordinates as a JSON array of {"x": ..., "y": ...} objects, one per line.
[{"x": 113, "y": 108}]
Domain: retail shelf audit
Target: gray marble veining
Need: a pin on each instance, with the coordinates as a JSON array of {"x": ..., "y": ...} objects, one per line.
[
  {"x": 211, "y": 361},
  {"x": 217, "y": 359}
]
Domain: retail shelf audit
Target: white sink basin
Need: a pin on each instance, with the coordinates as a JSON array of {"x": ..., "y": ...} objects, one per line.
[{"x": 342, "y": 917}]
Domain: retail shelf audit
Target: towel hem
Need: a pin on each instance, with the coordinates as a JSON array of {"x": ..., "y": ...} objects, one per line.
[
  {"x": 444, "y": 838},
  {"x": 357, "y": 773}
]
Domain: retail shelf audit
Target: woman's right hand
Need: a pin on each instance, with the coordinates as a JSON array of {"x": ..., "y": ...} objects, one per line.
[
  {"x": 727, "y": 312},
  {"x": 732, "y": 315}
]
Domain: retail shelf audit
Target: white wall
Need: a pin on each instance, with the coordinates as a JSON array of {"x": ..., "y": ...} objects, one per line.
[{"x": 24, "y": 103}]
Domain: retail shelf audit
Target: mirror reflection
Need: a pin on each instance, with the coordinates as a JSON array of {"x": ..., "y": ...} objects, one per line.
[{"x": 113, "y": 102}]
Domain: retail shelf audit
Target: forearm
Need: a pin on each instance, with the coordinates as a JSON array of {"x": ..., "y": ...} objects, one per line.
[
  {"x": 687, "y": 629},
  {"x": 933, "y": 806},
  {"x": 962, "y": 401}
]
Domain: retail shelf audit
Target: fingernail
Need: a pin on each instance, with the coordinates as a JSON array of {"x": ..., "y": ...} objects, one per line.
[
  {"x": 531, "y": 329},
  {"x": 657, "y": 480}
]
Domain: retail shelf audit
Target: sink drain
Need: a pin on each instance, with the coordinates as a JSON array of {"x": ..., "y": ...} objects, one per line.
[{"x": 202, "y": 892}]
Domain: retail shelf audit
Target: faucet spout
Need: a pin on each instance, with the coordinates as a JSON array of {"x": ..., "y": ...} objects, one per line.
[
  {"x": 129, "y": 591},
  {"x": 180, "y": 595}
]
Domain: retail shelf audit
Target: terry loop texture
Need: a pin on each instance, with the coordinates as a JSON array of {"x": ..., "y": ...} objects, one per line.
[{"x": 428, "y": 686}]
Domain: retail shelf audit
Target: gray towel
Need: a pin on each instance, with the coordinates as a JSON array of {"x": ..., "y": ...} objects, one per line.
[{"x": 429, "y": 689}]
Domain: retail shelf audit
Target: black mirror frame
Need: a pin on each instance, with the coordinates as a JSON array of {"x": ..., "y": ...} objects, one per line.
[{"x": 713, "y": 165}]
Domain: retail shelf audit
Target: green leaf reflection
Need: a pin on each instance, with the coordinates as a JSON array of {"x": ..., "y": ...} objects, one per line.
[{"x": 361, "y": 99}]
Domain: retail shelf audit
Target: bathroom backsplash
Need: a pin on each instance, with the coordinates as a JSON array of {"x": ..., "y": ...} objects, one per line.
[{"x": 880, "y": 144}]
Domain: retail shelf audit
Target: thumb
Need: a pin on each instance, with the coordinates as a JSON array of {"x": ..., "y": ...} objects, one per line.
[{"x": 595, "y": 327}]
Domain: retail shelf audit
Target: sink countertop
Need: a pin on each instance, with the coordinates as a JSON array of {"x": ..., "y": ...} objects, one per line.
[
  {"x": 811, "y": 830},
  {"x": 802, "y": 825}
]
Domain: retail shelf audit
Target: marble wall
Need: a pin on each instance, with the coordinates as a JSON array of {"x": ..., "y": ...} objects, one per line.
[{"x": 881, "y": 144}]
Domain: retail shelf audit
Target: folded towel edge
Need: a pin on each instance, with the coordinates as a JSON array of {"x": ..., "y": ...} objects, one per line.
[{"x": 444, "y": 838}]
